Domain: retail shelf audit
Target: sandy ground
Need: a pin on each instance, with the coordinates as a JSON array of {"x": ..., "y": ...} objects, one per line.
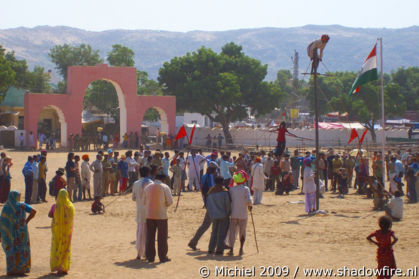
[{"x": 104, "y": 245}]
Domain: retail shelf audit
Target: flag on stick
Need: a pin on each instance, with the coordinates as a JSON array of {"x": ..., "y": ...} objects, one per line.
[
  {"x": 181, "y": 133},
  {"x": 354, "y": 134},
  {"x": 363, "y": 136},
  {"x": 191, "y": 137},
  {"x": 368, "y": 72}
]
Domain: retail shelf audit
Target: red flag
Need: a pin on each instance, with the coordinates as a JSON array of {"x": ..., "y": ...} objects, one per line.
[
  {"x": 191, "y": 137},
  {"x": 363, "y": 136},
  {"x": 354, "y": 134},
  {"x": 181, "y": 133}
]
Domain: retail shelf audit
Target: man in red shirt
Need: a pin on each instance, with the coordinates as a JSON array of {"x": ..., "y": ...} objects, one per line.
[{"x": 282, "y": 129}]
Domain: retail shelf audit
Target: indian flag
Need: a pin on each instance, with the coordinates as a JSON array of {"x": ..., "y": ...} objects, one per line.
[{"x": 368, "y": 72}]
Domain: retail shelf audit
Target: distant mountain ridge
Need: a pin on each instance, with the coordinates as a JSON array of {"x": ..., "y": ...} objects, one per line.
[{"x": 346, "y": 50}]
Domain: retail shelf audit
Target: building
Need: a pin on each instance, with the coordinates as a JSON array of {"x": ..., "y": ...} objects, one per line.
[
  {"x": 12, "y": 112},
  {"x": 194, "y": 118}
]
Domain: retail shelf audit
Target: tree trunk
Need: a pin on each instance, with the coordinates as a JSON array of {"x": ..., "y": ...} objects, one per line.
[
  {"x": 227, "y": 134},
  {"x": 372, "y": 131}
]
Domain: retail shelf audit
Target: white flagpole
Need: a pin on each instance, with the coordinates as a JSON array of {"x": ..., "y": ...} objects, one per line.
[{"x": 383, "y": 121}]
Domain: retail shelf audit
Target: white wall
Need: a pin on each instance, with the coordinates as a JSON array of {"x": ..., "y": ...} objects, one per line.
[
  {"x": 248, "y": 136},
  {"x": 189, "y": 118}
]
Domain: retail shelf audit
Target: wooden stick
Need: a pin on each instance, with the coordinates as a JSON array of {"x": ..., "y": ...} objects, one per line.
[
  {"x": 178, "y": 197},
  {"x": 254, "y": 231}
]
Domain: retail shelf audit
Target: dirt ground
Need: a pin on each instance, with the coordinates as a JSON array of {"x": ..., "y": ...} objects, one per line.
[{"x": 103, "y": 246}]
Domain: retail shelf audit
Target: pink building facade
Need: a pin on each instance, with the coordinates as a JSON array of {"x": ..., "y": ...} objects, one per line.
[{"x": 69, "y": 106}]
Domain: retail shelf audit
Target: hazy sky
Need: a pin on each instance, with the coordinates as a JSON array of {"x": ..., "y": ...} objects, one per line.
[{"x": 210, "y": 15}]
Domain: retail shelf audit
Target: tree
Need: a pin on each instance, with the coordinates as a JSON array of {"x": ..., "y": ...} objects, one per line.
[
  {"x": 65, "y": 55},
  {"x": 408, "y": 82},
  {"x": 148, "y": 86},
  {"x": 102, "y": 95},
  {"x": 7, "y": 74},
  {"x": 364, "y": 106},
  {"x": 14, "y": 72},
  {"x": 221, "y": 86},
  {"x": 37, "y": 80},
  {"x": 121, "y": 56}
]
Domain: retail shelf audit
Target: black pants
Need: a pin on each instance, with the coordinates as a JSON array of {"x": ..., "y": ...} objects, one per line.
[
  {"x": 28, "y": 188},
  {"x": 206, "y": 223},
  {"x": 42, "y": 189},
  {"x": 162, "y": 234},
  {"x": 280, "y": 148}
]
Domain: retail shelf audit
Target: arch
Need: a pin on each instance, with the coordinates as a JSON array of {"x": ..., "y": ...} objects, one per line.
[
  {"x": 164, "y": 123},
  {"x": 121, "y": 103},
  {"x": 69, "y": 106},
  {"x": 165, "y": 106},
  {"x": 61, "y": 119}
]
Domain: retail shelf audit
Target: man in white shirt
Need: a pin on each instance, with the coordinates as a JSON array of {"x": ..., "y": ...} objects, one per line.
[
  {"x": 85, "y": 176},
  {"x": 394, "y": 208},
  {"x": 158, "y": 197},
  {"x": 240, "y": 202},
  {"x": 194, "y": 164},
  {"x": 138, "y": 196},
  {"x": 132, "y": 168},
  {"x": 313, "y": 54}
]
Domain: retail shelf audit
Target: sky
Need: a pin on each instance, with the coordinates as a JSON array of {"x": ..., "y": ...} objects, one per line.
[{"x": 210, "y": 15}]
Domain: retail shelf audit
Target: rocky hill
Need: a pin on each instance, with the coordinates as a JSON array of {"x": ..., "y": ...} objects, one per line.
[{"x": 346, "y": 50}]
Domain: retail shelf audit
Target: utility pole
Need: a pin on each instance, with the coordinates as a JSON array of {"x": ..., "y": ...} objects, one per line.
[
  {"x": 295, "y": 59},
  {"x": 316, "y": 119},
  {"x": 315, "y": 59}
]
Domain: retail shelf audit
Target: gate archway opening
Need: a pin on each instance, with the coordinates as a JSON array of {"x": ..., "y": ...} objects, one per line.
[
  {"x": 52, "y": 127},
  {"x": 155, "y": 126},
  {"x": 104, "y": 111}
]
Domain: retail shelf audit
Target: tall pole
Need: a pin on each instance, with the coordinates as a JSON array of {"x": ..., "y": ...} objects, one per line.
[
  {"x": 316, "y": 116},
  {"x": 383, "y": 121}
]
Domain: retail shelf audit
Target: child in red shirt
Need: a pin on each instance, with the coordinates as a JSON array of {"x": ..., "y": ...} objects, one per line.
[{"x": 384, "y": 239}]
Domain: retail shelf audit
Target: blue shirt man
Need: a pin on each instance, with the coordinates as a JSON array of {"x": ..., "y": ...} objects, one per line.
[
  {"x": 166, "y": 163},
  {"x": 123, "y": 167},
  {"x": 225, "y": 167}
]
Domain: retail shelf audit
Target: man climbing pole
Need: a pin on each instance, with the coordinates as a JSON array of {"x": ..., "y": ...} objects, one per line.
[{"x": 312, "y": 51}]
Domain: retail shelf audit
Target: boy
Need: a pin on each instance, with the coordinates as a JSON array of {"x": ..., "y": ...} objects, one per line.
[{"x": 177, "y": 177}]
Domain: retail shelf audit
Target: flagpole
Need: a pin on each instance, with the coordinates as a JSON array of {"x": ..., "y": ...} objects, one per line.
[{"x": 383, "y": 121}]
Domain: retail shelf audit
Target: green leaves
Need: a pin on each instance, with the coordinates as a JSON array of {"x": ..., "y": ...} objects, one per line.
[
  {"x": 65, "y": 55},
  {"x": 221, "y": 86},
  {"x": 14, "y": 72},
  {"x": 7, "y": 74},
  {"x": 401, "y": 93},
  {"x": 121, "y": 56}
]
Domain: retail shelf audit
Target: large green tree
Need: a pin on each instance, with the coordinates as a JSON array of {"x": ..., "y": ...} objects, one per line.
[
  {"x": 14, "y": 72},
  {"x": 7, "y": 74},
  {"x": 121, "y": 56},
  {"x": 66, "y": 55},
  {"x": 408, "y": 81},
  {"x": 221, "y": 86}
]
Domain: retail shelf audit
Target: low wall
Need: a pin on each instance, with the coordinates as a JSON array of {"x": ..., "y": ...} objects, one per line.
[{"x": 249, "y": 136}]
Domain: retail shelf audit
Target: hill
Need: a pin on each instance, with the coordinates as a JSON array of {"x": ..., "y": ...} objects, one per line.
[{"x": 346, "y": 50}]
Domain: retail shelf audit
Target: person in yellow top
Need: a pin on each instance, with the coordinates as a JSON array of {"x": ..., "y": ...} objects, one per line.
[
  {"x": 337, "y": 163},
  {"x": 62, "y": 214}
]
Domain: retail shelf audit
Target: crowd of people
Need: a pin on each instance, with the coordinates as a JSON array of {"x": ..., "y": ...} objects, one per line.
[{"x": 230, "y": 186}]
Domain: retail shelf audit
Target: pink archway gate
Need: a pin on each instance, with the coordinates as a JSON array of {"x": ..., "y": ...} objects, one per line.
[{"x": 70, "y": 105}]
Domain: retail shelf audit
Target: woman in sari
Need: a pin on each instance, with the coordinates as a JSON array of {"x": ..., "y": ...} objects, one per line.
[
  {"x": 14, "y": 234},
  {"x": 62, "y": 214},
  {"x": 5, "y": 181}
]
